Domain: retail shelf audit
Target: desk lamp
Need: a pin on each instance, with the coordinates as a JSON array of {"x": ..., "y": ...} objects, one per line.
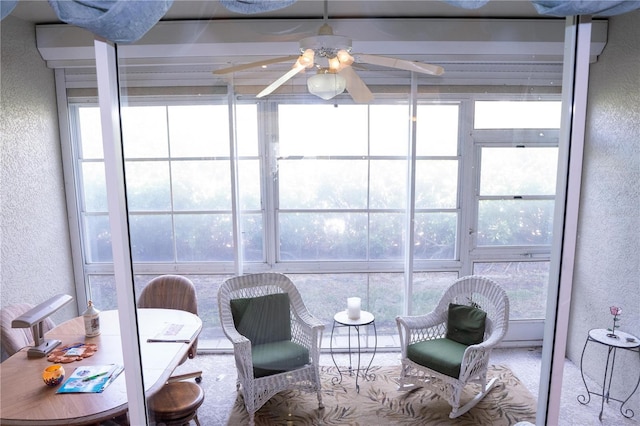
[{"x": 34, "y": 319}]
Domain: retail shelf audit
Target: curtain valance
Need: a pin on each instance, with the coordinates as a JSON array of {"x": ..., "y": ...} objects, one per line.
[{"x": 126, "y": 21}]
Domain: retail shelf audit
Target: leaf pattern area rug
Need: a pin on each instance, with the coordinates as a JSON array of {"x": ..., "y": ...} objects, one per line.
[{"x": 379, "y": 402}]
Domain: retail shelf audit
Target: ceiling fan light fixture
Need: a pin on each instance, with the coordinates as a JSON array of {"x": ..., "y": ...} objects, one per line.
[
  {"x": 344, "y": 57},
  {"x": 326, "y": 85},
  {"x": 334, "y": 64},
  {"x": 306, "y": 59}
]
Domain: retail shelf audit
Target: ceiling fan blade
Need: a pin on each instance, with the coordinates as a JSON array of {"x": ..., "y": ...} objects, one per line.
[
  {"x": 355, "y": 86},
  {"x": 402, "y": 64},
  {"x": 279, "y": 82},
  {"x": 256, "y": 64}
]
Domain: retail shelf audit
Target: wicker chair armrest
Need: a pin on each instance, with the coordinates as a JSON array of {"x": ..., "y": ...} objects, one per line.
[
  {"x": 235, "y": 337},
  {"x": 412, "y": 329},
  {"x": 471, "y": 352},
  {"x": 309, "y": 320},
  {"x": 477, "y": 356},
  {"x": 486, "y": 345},
  {"x": 316, "y": 329},
  {"x": 308, "y": 325},
  {"x": 308, "y": 333},
  {"x": 493, "y": 340},
  {"x": 419, "y": 322},
  {"x": 310, "y": 329},
  {"x": 316, "y": 336},
  {"x": 242, "y": 354},
  {"x": 423, "y": 327},
  {"x": 474, "y": 358}
]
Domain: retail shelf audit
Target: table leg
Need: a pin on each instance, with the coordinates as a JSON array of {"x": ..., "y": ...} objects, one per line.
[
  {"x": 349, "y": 346},
  {"x": 334, "y": 380},
  {"x": 628, "y": 413},
  {"x": 613, "y": 364},
  {"x": 604, "y": 382},
  {"x": 582, "y": 399},
  {"x": 358, "y": 369},
  {"x": 375, "y": 347}
]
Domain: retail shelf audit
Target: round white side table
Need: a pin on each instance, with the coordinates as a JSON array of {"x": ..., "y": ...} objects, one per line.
[
  {"x": 624, "y": 341},
  {"x": 341, "y": 319}
]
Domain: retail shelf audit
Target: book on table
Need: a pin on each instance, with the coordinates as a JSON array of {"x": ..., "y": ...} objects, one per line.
[{"x": 91, "y": 378}]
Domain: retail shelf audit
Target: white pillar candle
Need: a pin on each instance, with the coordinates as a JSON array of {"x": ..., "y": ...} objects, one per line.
[{"x": 353, "y": 308}]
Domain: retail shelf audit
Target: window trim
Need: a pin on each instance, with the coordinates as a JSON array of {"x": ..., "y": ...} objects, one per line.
[{"x": 469, "y": 141}]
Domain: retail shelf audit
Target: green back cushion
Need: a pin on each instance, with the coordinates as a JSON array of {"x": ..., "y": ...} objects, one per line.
[
  {"x": 465, "y": 324},
  {"x": 441, "y": 355},
  {"x": 263, "y": 319}
]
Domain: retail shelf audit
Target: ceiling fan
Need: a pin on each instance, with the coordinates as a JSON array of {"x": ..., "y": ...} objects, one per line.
[{"x": 330, "y": 55}]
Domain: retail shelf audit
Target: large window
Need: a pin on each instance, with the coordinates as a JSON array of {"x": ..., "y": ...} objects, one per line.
[
  {"x": 343, "y": 189},
  {"x": 516, "y": 153},
  {"x": 324, "y": 192},
  {"x": 178, "y": 174},
  {"x": 517, "y": 187},
  {"x": 437, "y": 170}
]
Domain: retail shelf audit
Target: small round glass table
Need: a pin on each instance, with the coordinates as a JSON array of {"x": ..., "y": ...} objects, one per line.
[
  {"x": 341, "y": 319},
  {"x": 623, "y": 341}
]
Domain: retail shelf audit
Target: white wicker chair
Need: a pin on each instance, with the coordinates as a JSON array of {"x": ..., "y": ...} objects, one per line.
[
  {"x": 306, "y": 331},
  {"x": 475, "y": 291}
]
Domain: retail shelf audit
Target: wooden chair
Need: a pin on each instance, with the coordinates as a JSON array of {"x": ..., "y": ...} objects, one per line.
[
  {"x": 14, "y": 339},
  {"x": 178, "y": 401},
  {"x": 276, "y": 341},
  {"x": 450, "y": 347}
]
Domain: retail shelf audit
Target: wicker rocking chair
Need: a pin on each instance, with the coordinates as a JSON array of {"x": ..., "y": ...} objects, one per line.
[
  {"x": 276, "y": 341},
  {"x": 448, "y": 348}
]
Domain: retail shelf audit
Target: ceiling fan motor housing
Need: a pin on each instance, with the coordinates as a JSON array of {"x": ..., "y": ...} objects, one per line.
[{"x": 326, "y": 46}]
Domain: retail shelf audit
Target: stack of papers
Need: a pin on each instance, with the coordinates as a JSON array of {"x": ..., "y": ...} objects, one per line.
[
  {"x": 91, "y": 378},
  {"x": 172, "y": 333}
]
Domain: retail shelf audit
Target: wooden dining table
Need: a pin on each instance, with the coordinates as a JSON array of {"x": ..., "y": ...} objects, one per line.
[{"x": 26, "y": 400}]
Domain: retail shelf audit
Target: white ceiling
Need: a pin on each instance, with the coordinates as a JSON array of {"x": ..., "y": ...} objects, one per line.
[{"x": 39, "y": 11}]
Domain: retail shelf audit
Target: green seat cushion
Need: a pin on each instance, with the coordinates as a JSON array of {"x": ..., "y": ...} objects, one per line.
[
  {"x": 263, "y": 319},
  {"x": 278, "y": 357},
  {"x": 465, "y": 324},
  {"x": 441, "y": 355}
]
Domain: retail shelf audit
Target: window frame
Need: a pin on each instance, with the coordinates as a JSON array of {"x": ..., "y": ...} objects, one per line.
[
  {"x": 507, "y": 138},
  {"x": 467, "y": 254}
]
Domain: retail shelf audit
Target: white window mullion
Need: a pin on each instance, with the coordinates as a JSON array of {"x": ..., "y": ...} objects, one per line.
[
  {"x": 411, "y": 198},
  {"x": 171, "y": 197},
  {"x": 235, "y": 200},
  {"x": 268, "y": 146},
  {"x": 468, "y": 188}
]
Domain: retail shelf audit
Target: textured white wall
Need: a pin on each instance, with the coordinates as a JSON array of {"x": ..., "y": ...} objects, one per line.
[
  {"x": 35, "y": 261},
  {"x": 607, "y": 269}
]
